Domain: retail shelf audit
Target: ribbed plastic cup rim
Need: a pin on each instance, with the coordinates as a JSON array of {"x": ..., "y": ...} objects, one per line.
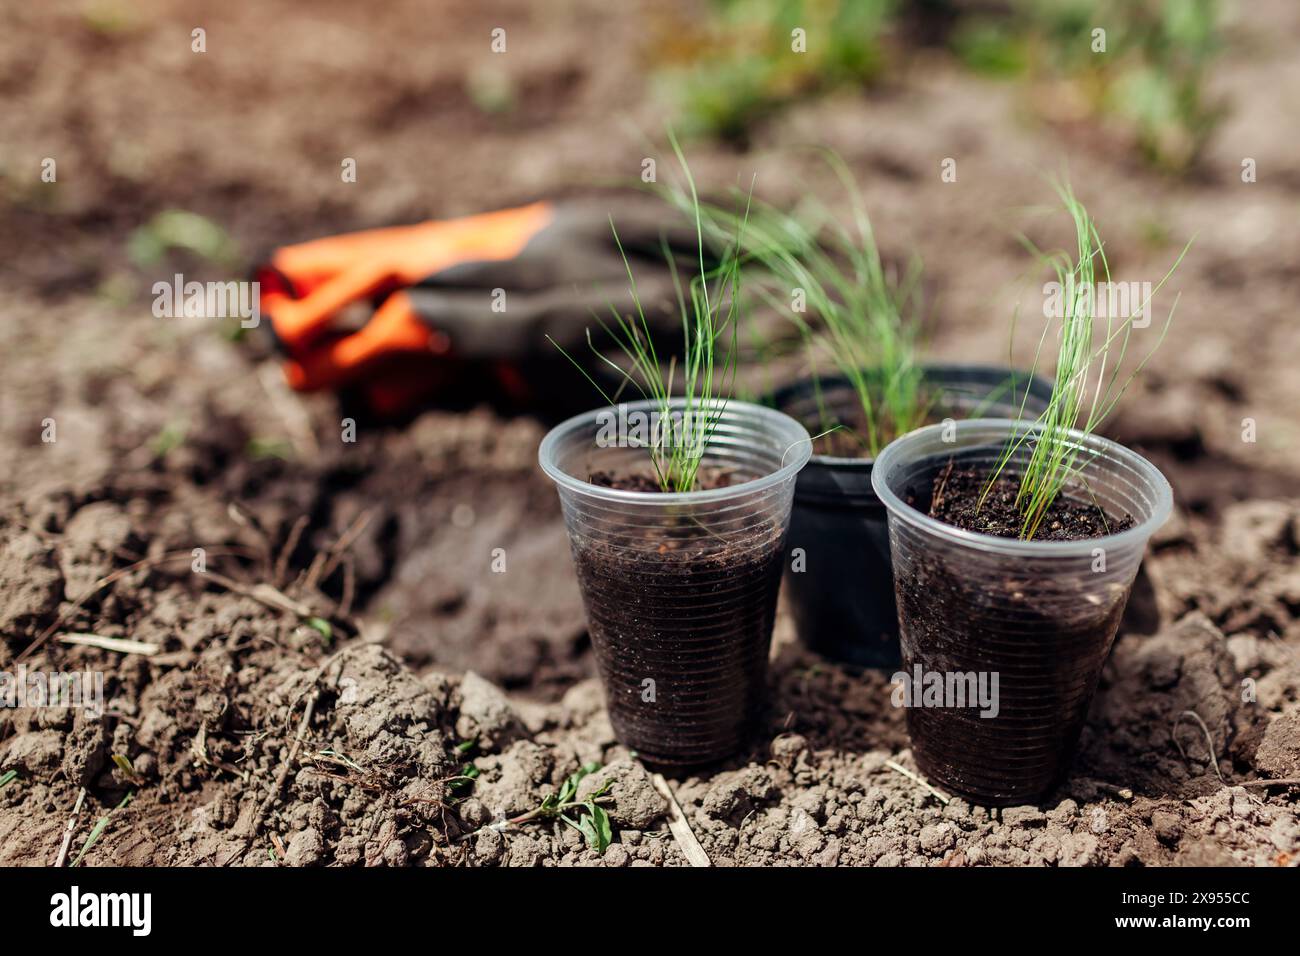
[
  {"x": 1137, "y": 535},
  {"x": 794, "y": 457}
]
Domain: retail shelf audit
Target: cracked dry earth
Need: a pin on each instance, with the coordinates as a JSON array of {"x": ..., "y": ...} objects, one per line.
[{"x": 252, "y": 739}]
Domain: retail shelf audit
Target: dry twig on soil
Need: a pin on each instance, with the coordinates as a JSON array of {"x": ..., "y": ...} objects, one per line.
[
  {"x": 1280, "y": 782},
  {"x": 679, "y": 826},
  {"x": 118, "y": 644},
  {"x": 69, "y": 829},
  {"x": 1209, "y": 740},
  {"x": 286, "y": 551},
  {"x": 899, "y": 768}
]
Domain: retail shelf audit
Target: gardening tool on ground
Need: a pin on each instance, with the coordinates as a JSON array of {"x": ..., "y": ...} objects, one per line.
[{"x": 461, "y": 309}]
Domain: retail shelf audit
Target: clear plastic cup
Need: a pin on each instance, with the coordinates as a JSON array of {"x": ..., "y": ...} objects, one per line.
[
  {"x": 1040, "y": 615},
  {"x": 680, "y": 589}
]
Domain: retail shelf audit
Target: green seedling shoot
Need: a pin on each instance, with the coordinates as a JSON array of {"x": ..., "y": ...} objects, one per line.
[
  {"x": 861, "y": 317},
  {"x": 127, "y": 770},
  {"x": 707, "y": 363},
  {"x": 460, "y": 784},
  {"x": 100, "y": 826},
  {"x": 1088, "y": 375}
]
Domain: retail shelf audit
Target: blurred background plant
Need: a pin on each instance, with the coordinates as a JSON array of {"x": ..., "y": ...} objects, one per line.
[
  {"x": 1163, "y": 90},
  {"x": 745, "y": 60},
  {"x": 180, "y": 229},
  {"x": 1148, "y": 73}
]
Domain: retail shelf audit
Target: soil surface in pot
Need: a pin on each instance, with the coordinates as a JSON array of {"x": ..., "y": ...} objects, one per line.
[
  {"x": 704, "y": 481},
  {"x": 681, "y": 622},
  {"x": 956, "y": 500}
]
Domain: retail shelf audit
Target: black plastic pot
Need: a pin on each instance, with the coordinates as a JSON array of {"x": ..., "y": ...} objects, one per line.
[{"x": 843, "y": 598}]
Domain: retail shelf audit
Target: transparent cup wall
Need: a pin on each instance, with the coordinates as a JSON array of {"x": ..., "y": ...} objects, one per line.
[
  {"x": 680, "y": 588},
  {"x": 1041, "y": 615}
]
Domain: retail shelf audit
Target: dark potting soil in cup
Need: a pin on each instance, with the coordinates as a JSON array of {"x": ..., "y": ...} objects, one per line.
[
  {"x": 956, "y": 500},
  {"x": 1046, "y": 645},
  {"x": 681, "y": 625}
]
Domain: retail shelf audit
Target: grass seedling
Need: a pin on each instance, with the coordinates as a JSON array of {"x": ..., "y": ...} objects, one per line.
[
  {"x": 864, "y": 317},
  {"x": 1088, "y": 375},
  {"x": 171, "y": 437},
  {"x": 100, "y": 826},
  {"x": 183, "y": 230},
  {"x": 710, "y": 318},
  {"x": 460, "y": 784},
  {"x": 736, "y": 62},
  {"x": 8, "y": 777},
  {"x": 127, "y": 770}
]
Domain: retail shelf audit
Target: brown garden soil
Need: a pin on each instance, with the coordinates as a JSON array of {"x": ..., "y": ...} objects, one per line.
[
  {"x": 705, "y": 480},
  {"x": 311, "y": 688}
]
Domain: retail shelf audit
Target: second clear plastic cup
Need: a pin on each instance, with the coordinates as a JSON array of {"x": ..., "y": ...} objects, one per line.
[
  {"x": 680, "y": 589},
  {"x": 1032, "y": 620}
]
